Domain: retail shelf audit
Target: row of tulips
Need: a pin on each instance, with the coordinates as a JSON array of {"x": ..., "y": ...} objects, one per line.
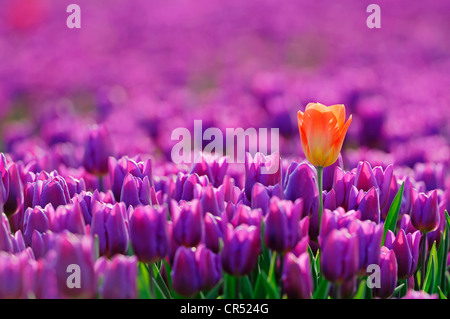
[{"x": 161, "y": 237}]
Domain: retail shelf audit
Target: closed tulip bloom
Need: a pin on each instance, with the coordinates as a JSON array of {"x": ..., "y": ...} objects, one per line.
[
  {"x": 35, "y": 220},
  {"x": 322, "y": 132},
  {"x": 367, "y": 203},
  {"x": 209, "y": 267},
  {"x": 98, "y": 148},
  {"x": 6, "y": 238},
  {"x": 118, "y": 169},
  {"x": 187, "y": 223},
  {"x": 213, "y": 232},
  {"x": 149, "y": 233},
  {"x": 245, "y": 215},
  {"x": 15, "y": 276},
  {"x": 406, "y": 248},
  {"x": 388, "y": 274},
  {"x": 51, "y": 191},
  {"x": 369, "y": 242},
  {"x": 340, "y": 257},
  {"x": 119, "y": 278},
  {"x": 425, "y": 211},
  {"x": 186, "y": 278},
  {"x": 241, "y": 248},
  {"x": 136, "y": 191},
  {"x": 109, "y": 223},
  {"x": 296, "y": 276},
  {"x": 261, "y": 169},
  {"x": 281, "y": 231},
  {"x": 12, "y": 186},
  {"x": 75, "y": 250}
]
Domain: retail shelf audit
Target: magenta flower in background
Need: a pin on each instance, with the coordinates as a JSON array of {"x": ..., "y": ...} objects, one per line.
[{"x": 98, "y": 148}]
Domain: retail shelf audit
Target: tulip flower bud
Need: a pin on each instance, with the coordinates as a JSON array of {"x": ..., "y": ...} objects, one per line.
[
  {"x": 209, "y": 267},
  {"x": 12, "y": 185},
  {"x": 186, "y": 279},
  {"x": 388, "y": 274},
  {"x": 340, "y": 258},
  {"x": 76, "y": 252},
  {"x": 296, "y": 277},
  {"x": 187, "y": 223},
  {"x": 34, "y": 220},
  {"x": 15, "y": 276},
  {"x": 213, "y": 232},
  {"x": 119, "y": 278},
  {"x": 425, "y": 211},
  {"x": 241, "y": 248},
  {"x": 281, "y": 232},
  {"x": 110, "y": 224},
  {"x": 261, "y": 169},
  {"x": 406, "y": 248},
  {"x": 135, "y": 191},
  {"x": 98, "y": 148},
  {"x": 149, "y": 234}
]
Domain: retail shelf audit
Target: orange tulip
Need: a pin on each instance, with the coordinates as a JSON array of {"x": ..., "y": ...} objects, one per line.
[{"x": 322, "y": 132}]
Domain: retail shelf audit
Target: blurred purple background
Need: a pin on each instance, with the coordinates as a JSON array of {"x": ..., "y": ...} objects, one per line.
[{"x": 143, "y": 68}]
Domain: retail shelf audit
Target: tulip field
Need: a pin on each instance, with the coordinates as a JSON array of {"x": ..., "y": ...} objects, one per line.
[{"x": 256, "y": 149}]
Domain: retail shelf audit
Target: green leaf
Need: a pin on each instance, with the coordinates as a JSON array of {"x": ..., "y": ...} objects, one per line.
[
  {"x": 271, "y": 277},
  {"x": 398, "y": 289},
  {"x": 314, "y": 271},
  {"x": 246, "y": 287},
  {"x": 230, "y": 287},
  {"x": 259, "y": 291},
  {"x": 264, "y": 258},
  {"x": 214, "y": 292},
  {"x": 441, "y": 294},
  {"x": 271, "y": 290},
  {"x": 143, "y": 282},
  {"x": 169, "y": 279},
  {"x": 429, "y": 284},
  {"x": 322, "y": 291},
  {"x": 160, "y": 283},
  {"x": 391, "y": 219},
  {"x": 360, "y": 294}
]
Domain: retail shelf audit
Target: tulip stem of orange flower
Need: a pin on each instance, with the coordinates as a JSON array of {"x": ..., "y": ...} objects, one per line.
[{"x": 320, "y": 182}]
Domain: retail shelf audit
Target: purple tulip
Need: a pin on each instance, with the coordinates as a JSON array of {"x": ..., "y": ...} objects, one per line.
[
  {"x": 367, "y": 203},
  {"x": 6, "y": 238},
  {"x": 110, "y": 224},
  {"x": 241, "y": 248},
  {"x": 388, "y": 274},
  {"x": 261, "y": 169},
  {"x": 187, "y": 223},
  {"x": 98, "y": 148},
  {"x": 296, "y": 276},
  {"x": 136, "y": 191},
  {"x": 73, "y": 250},
  {"x": 425, "y": 211},
  {"x": 186, "y": 278},
  {"x": 369, "y": 237},
  {"x": 281, "y": 231},
  {"x": 342, "y": 184},
  {"x": 328, "y": 173},
  {"x": 301, "y": 183},
  {"x": 118, "y": 169},
  {"x": 149, "y": 233},
  {"x": 432, "y": 174},
  {"x": 213, "y": 232},
  {"x": 119, "y": 277},
  {"x": 260, "y": 198},
  {"x": 11, "y": 189},
  {"x": 214, "y": 168},
  {"x": 15, "y": 275},
  {"x": 245, "y": 215},
  {"x": 53, "y": 191},
  {"x": 209, "y": 267},
  {"x": 208, "y": 199},
  {"x": 340, "y": 258},
  {"x": 35, "y": 220},
  {"x": 406, "y": 248}
]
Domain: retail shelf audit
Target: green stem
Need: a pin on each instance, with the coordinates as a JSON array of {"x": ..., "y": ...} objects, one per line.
[
  {"x": 237, "y": 288},
  {"x": 281, "y": 275},
  {"x": 151, "y": 276},
  {"x": 320, "y": 181},
  {"x": 424, "y": 260}
]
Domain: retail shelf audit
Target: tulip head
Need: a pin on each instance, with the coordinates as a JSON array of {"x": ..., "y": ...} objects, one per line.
[
  {"x": 424, "y": 211},
  {"x": 296, "y": 278},
  {"x": 322, "y": 132}
]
